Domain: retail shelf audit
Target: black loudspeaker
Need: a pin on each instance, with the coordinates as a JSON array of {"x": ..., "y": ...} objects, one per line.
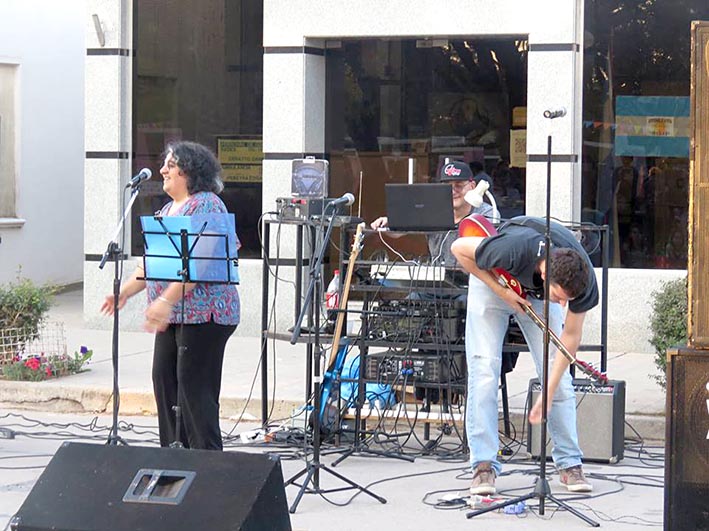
[
  {"x": 687, "y": 440},
  {"x": 89, "y": 487},
  {"x": 600, "y": 420}
]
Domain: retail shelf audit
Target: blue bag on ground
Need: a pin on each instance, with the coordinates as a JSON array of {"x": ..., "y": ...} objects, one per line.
[{"x": 380, "y": 395}]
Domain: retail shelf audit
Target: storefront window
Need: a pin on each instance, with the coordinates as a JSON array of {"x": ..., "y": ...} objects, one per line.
[
  {"x": 396, "y": 109},
  {"x": 198, "y": 75},
  {"x": 636, "y": 127}
]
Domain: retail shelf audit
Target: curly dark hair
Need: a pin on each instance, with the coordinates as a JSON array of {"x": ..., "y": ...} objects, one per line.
[
  {"x": 570, "y": 271},
  {"x": 199, "y": 164}
]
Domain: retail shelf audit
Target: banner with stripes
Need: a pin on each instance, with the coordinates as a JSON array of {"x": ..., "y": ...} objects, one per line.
[{"x": 652, "y": 126}]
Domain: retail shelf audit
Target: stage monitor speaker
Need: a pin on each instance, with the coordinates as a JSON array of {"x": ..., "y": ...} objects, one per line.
[
  {"x": 687, "y": 440},
  {"x": 600, "y": 420},
  {"x": 90, "y": 487}
]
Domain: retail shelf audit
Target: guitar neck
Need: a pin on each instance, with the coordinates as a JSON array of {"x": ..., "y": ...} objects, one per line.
[
  {"x": 552, "y": 336},
  {"x": 511, "y": 283},
  {"x": 337, "y": 334},
  {"x": 582, "y": 366}
]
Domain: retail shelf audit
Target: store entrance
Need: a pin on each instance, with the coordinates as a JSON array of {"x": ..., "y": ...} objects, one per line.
[{"x": 396, "y": 109}]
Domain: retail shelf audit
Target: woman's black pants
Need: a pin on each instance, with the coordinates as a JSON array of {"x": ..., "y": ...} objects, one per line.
[{"x": 197, "y": 376}]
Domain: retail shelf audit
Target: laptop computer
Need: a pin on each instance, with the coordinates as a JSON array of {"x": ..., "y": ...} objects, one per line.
[{"x": 419, "y": 207}]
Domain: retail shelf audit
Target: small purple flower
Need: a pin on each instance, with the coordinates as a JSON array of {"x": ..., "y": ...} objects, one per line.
[{"x": 83, "y": 349}]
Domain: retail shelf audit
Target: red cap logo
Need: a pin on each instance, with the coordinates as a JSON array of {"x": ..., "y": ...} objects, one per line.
[{"x": 451, "y": 171}]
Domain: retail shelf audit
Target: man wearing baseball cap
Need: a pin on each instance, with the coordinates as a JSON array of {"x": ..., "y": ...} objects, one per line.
[
  {"x": 461, "y": 179},
  {"x": 459, "y": 175}
]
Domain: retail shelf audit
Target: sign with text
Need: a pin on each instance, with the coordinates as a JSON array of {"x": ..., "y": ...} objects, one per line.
[{"x": 241, "y": 159}]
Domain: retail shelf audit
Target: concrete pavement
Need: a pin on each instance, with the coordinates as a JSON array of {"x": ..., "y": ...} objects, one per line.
[
  {"x": 627, "y": 493},
  {"x": 241, "y": 385}
]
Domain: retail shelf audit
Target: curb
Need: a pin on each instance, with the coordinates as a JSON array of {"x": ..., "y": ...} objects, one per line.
[{"x": 37, "y": 396}]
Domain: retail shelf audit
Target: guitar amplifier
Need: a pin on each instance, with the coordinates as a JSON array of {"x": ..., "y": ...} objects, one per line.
[{"x": 600, "y": 420}]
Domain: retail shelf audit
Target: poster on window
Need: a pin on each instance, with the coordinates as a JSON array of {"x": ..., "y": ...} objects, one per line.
[
  {"x": 518, "y": 148},
  {"x": 241, "y": 159}
]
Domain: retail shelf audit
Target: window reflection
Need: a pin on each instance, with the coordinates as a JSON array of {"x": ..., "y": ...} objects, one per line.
[
  {"x": 199, "y": 76},
  {"x": 636, "y": 127},
  {"x": 396, "y": 109}
]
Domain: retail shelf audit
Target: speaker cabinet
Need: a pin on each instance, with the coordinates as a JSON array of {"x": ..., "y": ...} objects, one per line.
[
  {"x": 687, "y": 440},
  {"x": 600, "y": 420},
  {"x": 89, "y": 487}
]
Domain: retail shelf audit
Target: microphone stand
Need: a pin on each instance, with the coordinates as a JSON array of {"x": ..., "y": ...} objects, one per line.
[
  {"x": 115, "y": 254},
  {"x": 542, "y": 490},
  {"x": 312, "y": 307}
]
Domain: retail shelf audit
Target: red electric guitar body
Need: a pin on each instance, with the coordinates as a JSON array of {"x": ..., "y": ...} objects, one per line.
[{"x": 478, "y": 225}]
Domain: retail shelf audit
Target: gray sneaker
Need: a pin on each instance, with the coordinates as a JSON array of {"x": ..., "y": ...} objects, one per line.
[
  {"x": 483, "y": 479},
  {"x": 574, "y": 479}
]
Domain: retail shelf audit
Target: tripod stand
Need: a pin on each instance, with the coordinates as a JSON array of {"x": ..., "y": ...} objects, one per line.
[
  {"x": 311, "y": 306},
  {"x": 114, "y": 253},
  {"x": 542, "y": 491}
]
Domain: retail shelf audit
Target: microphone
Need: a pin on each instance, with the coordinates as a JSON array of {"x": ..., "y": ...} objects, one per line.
[
  {"x": 142, "y": 175},
  {"x": 346, "y": 199},
  {"x": 555, "y": 113},
  {"x": 475, "y": 196}
]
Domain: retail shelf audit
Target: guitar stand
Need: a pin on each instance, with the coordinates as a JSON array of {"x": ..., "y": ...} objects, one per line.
[{"x": 542, "y": 491}]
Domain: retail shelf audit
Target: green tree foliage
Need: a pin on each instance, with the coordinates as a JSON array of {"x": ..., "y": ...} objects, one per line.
[{"x": 668, "y": 322}]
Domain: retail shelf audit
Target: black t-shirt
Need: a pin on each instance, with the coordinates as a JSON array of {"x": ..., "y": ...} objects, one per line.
[{"x": 519, "y": 247}]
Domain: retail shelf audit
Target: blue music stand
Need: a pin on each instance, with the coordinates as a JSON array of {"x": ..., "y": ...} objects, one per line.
[
  {"x": 199, "y": 248},
  {"x": 204, "y": 247}
]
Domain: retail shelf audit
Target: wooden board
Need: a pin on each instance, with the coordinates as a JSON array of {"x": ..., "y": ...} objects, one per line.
[{"x": 698, "y": 263}]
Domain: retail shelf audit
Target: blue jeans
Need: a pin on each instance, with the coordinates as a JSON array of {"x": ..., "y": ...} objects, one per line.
[{"x": 487, "y": 319}]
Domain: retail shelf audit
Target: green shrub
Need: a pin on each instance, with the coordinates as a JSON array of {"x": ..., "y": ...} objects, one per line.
[
  {"x": 23, "y": 304},
  {"x": 668, "y": 322},
  {"x": 23, "y": 308}
]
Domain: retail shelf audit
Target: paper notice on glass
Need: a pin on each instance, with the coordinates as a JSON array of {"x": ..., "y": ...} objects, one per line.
[
  {"x": 518, "y": 148},
  {"x": 209, "y": 248}
]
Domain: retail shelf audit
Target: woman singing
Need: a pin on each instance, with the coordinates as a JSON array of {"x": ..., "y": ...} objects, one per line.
[{"x": 191, "y": 177}]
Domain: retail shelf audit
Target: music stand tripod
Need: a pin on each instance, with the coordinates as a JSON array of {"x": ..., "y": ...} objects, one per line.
[
  {"x": 177, "y": 249},
  {"x": 542, "y": 490},
  {"x": 114, "y": 253},
  {"x": 312, "y": 309}
]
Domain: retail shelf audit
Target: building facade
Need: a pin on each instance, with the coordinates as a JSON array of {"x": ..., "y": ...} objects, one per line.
[
  {"x": 385, "y": 92},
  {"x": 41, "y": 141}
]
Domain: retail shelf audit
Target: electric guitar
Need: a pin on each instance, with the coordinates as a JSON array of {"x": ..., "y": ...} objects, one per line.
[
  {"x": 477, "y": 225},
  {"x": 329, "y": 390}
]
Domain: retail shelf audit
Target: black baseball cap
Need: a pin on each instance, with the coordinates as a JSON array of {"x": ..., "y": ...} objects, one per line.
[{"x": 455, "y": 170}]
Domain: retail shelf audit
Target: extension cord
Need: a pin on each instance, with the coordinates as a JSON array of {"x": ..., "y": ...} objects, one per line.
[{"x": 6, "y": 433}]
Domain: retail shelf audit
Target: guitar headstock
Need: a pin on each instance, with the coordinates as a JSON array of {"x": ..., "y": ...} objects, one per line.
[
  {"x": 594, "y": 374},
  {"x": 357, "y": 242}
]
